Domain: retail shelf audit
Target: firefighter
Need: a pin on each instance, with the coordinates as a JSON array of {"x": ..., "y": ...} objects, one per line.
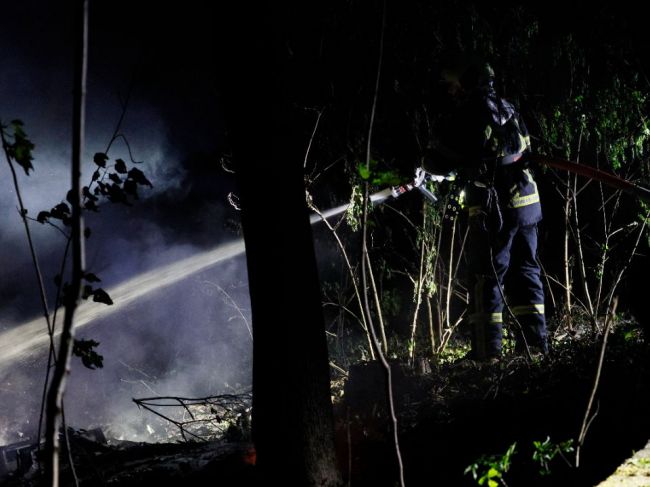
[{"x": 486, "y": 141}]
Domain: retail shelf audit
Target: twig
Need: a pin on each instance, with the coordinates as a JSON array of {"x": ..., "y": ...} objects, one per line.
[
  {"x": 338, "y": 368},
  {"x": 400, "y": 213},
  {"x": 57, "y": 302},
  {"x": 581, "y": 266},
  {"x": 139, "y": 381},
  {"x": 450, "y": 275},
  {"x": 39, "y": 279},
  {"x": 349, "y": 439},
  {"x": 57, "y": 387},
  {"x": 225, "y": 407},
  {"x": 327, "y": 168},
  {"x": 418, "y": 292},
  {"x": 363, "y": 321},
  {"x": 548, "y": 282},
  {"x": 365, "y": 258},
  {"x": 48, "y": 223},
  {"x": 349, "y": 311},
  {"x": 573, "y": 295},
  {"x": 311, "y": 139},
  {"x": 567, "y": 267},
  {"x": 586, "y": 420},
  {"x": 130, "y": 367},
  {"x": 234, "y": 304},
  {"x": 375, "y": 294},
  {"x": 126, "y": 141}
]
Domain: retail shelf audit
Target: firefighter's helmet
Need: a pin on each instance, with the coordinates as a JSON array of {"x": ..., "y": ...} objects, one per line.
[{"x": 477, "y": 75}]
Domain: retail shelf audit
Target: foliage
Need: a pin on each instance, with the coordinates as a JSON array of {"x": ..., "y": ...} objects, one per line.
[
  {"x": 545, "y": 452},
  {"x": 353, "y": 213},
  {"x": 377, "y": 177},
  {"x": 117, "y": 183},
  {"x": 489, "y": 470},
  {"x": 21, "y": 148},
  {"x": 452, "y": 353},
  {"x": 85, "y": 350},
  {"x": 583, "y": 97}
]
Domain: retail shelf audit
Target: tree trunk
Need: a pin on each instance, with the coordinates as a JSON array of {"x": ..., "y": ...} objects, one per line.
[
  {"x": 57, "y": 386},
  {"x": 292, "y": 411}
]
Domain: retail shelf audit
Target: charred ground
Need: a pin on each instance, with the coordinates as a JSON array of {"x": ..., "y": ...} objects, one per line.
[{"x": 449, "y": 416}]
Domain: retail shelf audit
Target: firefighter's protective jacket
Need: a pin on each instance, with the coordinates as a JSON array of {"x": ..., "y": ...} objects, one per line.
[{"x": 487, "y": 140}]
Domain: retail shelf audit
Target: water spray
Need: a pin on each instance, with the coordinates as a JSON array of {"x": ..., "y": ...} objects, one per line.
[{"x": 25, "y": 340}]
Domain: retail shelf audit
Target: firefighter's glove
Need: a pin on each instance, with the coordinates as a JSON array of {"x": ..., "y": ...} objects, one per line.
[
  {"x": 420, "y": 175},
  {"x": 400, "y": 190}
]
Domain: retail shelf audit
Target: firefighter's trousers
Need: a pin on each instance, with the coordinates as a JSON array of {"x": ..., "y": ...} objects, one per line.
[{"x": 510, "y": 256}]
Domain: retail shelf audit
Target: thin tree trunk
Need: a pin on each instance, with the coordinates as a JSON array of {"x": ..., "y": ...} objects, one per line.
[
  {"x": 380, "y": 314},
  {"x": 353, "y": 278},
  {"x": 57, "y": 387},
  {"x": 365, "y": 260},
  {"x": 432, "y": 330},
  {"x": 418, "y": 294},
  {"x": 581, "y": 263},
  {"x": 451, "y": 274},
  {"x": 567, "y": 268}
]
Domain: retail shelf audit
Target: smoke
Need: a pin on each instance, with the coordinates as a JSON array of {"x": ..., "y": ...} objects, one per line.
[
  {"x": 184, "y": 340},
  {"x": 189, "y": 338}
]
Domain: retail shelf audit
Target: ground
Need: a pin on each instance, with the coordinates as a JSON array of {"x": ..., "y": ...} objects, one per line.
[
  {"x": 457, "y": 413},
  {"x": 450, "y": 415},
  {"x": 634, "y": 472}
]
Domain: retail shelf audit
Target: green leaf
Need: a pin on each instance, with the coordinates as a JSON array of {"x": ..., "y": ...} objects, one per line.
[
  {"x": 493, "y": 472},
  {"x": 43, "y": 216},
  {"x": 101, "y": 296},
  {"x": 90, "y": 277},
  {"x": 130, "y": 187},
  {"x": 69, "y": 197},
  {"x": 60, "y": 211},
  {"x": 386, "y": 178},
  {"x": 101, "y": 189},
  {"x": 493, "y": 483},
  {"x": 115, "y": 178},
  {"x": 89, "y": 357},
  {"x": 120, "y": 166},
  {"x": 87, "y": 194},
  {"x": 21, "y": 149},
  {"x": 364, "y": 172},
  {"x": 90, "y": 205},
  {"x": 116, "y": 195},
  {"x": 138, "y": 176},
  {"x": 87, "y": 291},
  {"x": 100, "y": 159}
]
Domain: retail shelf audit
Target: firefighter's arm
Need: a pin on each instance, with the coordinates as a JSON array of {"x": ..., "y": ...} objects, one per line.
[{"x": 420, "y": 181}]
